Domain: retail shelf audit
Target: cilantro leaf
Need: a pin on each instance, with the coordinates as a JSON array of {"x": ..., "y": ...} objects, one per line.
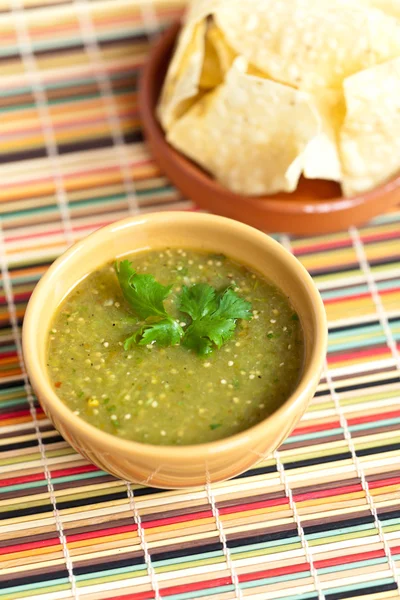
[
  {"x": 144, "y": 294},
  {"x": 194, "y": 341},
  {"x": 130, "y": 341},
  {"x": 232, "y": 306},
  {"x": 202, "y": 332},
  {"x": 166, "y": 333},
  {"x": 198, "y": 301},
  {"x": 213, "y": 317}
]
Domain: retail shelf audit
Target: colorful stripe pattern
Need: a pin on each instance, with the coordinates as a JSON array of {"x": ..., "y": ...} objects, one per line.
[{"x": 317, "y": 521}]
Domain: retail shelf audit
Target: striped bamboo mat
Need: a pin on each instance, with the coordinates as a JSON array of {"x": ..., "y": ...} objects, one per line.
[{"x": 321, "y": 518}]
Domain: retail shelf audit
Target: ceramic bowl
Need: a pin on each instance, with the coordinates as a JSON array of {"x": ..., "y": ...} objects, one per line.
[
  {"x": 169, "y": 466},
  {"x": 316, "y": 207}
]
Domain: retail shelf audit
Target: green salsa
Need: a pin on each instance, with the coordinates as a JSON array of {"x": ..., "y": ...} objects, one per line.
[{"x": 172, "y": 395}]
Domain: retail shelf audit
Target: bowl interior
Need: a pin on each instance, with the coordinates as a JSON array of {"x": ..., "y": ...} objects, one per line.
[{"x": 178, "y": 230}]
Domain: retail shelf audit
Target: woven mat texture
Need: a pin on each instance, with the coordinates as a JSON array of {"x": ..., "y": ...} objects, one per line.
[{"x": 320, "y": 519}]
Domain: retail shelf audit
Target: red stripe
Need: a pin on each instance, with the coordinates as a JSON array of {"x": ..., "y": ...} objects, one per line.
[
  {"x": 41, "y": 476},
  {"x": 19, "y": 480},
  {"x": 15, "y": 413},
  {"x": 389, "y": 291},
  {"x": 383, "y": 482},
  {"x": 379, "y": 417},
  {"x": 77, "y": 174},
  {"x": 373, "y": 352},
  {"x": 330, "y": 492},
  {"x": 198, "y": 585},
  {"x": 22, "y": 297},
  {"x": 321, "y": 247},
  {"x": 9, "y": 354},
  {"x": 301, "y": 568},
  {"x": 391, "y": 235},
  {"x": 67, "y": 124},
  {"x": 19, "y": 413},
  {"x": 179, "y": 519},
  {"x": 74, "y": 471},
  {"x": 316, "y": 427},
  {"x": 347, "y": 298},
  {"x": 17, "y": 297},
  {"x": 349, "y": 489},
  {"x": 100, "y": 533},
  {"x": 359, "y": 296},
  {"x": 349, "y": 558},
  {"x": 31, "y": 545},
  {"x": 140, "y": 596},
  {"x": 97, "y": 224},
  {"x": 336, "y": 424}
]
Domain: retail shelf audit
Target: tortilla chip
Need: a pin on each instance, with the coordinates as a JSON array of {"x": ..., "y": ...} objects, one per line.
[
  {"x": 312, "y": 44},
  {"x": 211, "y": 73},
  {"x": 216, "y": 58},
  {"x": 199, "y": 9},
  {"x": 322, "y": 160},
  {"x": 225, "y": 53},
  {"x": 250, "y": 133},
  {"x": 370, "y": 136},
  {"x": 390, "y": 7},
  {"x": 182, "y": 82}
]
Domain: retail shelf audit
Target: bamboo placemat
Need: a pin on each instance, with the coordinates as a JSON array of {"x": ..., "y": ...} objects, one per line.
[{"x": 320, "y": 519}]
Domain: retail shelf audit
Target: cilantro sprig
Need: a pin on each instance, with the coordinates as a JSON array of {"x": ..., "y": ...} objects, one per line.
[
  {"x": 146, "y": 297},
  {"x": 213, "y": 315}
]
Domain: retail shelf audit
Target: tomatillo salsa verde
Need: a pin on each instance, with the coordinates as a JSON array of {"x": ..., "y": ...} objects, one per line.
[{"x": 200, "y": 349}]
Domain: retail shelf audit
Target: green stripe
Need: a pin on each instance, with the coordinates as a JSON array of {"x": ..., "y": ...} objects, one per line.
[
  {"x": 183, "y": 559},
  {"x": 5, "y": 392},
  {"x": 358, "y": 344},
  {"x": 312, "y": 436},
  {"x": 68, "y": 84},
  {"x": 329, "y": 432},
  {"x": 271, "y": 580},
  {"x": 14, "y": 402},
  {"x": 360, "y": 586},
  {"x": 66, "y": 100},
  {"x": 358, "y": 332},
  {"x": 353, "y": 565},
  {"x": 347, "y": 533},
  {"x": 34, "y": 586},
  {"x": 345, "y": 291},
  {"x": 33, "y": 484},
  {"x": 387, "y": 285},
  {"x": 305, "y": 596},
  {"x": 119, "y": 571}
]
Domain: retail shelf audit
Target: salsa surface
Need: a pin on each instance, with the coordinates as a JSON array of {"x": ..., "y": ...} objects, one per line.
[{"x": 172, "y": 396}]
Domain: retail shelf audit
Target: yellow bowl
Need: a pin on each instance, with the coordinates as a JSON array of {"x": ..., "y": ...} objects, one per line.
[{"x": 173, "y": 466}]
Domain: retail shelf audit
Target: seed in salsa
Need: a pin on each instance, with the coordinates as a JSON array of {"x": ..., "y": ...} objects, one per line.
[{"x": 174, "y": 393}]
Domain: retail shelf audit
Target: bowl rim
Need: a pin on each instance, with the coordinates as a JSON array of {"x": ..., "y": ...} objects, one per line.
[
  {"x": 288, "y": 203},
  {"x": 41, "y": 381}
]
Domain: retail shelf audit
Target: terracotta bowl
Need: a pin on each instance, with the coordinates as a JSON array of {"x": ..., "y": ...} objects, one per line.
[
  {"x": 173, "y": 466},
  {"x": 316, "y": 207}
]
